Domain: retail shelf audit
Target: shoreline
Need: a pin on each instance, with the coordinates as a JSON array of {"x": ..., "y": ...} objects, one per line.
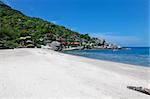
[
  {"x": 117, "y": 64},
  {"x": 45, "y": 73},
  {"x": 84, "y": 56},
  {"x": 104, "y": 59}
]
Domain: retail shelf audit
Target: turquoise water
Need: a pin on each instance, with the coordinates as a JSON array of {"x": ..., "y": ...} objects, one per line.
[{"x": 135, "y": 55}]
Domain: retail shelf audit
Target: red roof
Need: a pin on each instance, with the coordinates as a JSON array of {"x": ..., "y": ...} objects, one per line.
[{"x": 75, "y": 43}]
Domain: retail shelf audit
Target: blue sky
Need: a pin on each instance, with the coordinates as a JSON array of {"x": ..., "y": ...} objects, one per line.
[{"x": 124, "y": 22}]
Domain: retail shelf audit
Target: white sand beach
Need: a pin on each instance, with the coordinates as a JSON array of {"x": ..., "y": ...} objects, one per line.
[{"x": 45, "y": 74}]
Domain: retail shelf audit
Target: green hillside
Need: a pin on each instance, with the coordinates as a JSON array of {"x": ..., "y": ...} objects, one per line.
[{"x": 19, "y": 30}]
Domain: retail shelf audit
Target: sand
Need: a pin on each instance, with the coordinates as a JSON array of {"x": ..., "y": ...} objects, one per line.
[{"x": 45, "y": 74}]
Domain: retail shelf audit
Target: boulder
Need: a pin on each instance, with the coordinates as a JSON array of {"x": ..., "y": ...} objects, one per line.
[
  {"x": 140, "y": 89},
  {"x": 56, "y": 46}
]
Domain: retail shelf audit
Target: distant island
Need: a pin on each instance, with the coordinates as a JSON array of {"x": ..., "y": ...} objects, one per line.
[{"x": 20, "y": 31}]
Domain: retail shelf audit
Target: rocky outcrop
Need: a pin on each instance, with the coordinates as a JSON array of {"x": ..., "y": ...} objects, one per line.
[
  {"x": 140, "y": 89},
  {"x": 56, "y": 46}
]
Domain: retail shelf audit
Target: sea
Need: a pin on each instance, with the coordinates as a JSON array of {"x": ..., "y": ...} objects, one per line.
[{"x": 130, "y": 55}]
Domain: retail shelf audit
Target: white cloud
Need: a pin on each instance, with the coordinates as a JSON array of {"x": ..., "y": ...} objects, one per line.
[
  {"x": 7, "y": 2},
  {"x": 124, "y": 40},
  {"x": 54, "y": 21}
]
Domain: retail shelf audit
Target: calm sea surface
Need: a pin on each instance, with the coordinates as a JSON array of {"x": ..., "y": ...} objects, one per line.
[{"x": 133, "y": 55}]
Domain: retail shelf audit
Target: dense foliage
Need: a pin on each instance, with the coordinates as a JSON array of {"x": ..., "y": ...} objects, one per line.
[{"x": 19, "y": 30}]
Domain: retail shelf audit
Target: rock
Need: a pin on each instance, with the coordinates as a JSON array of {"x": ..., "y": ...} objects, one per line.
[
  {"x": 147, "y": 90},
  {"x": 140, "y": 89},
  {"x": 56, "y": 46},
  {"x": 30, "y": 46}
]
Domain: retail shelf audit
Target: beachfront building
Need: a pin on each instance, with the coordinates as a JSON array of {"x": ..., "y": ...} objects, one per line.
[
  {"x": 26, "y": 42},
  {"x": 71, "y": 44},
  {"x": 2, "y": 45}
]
